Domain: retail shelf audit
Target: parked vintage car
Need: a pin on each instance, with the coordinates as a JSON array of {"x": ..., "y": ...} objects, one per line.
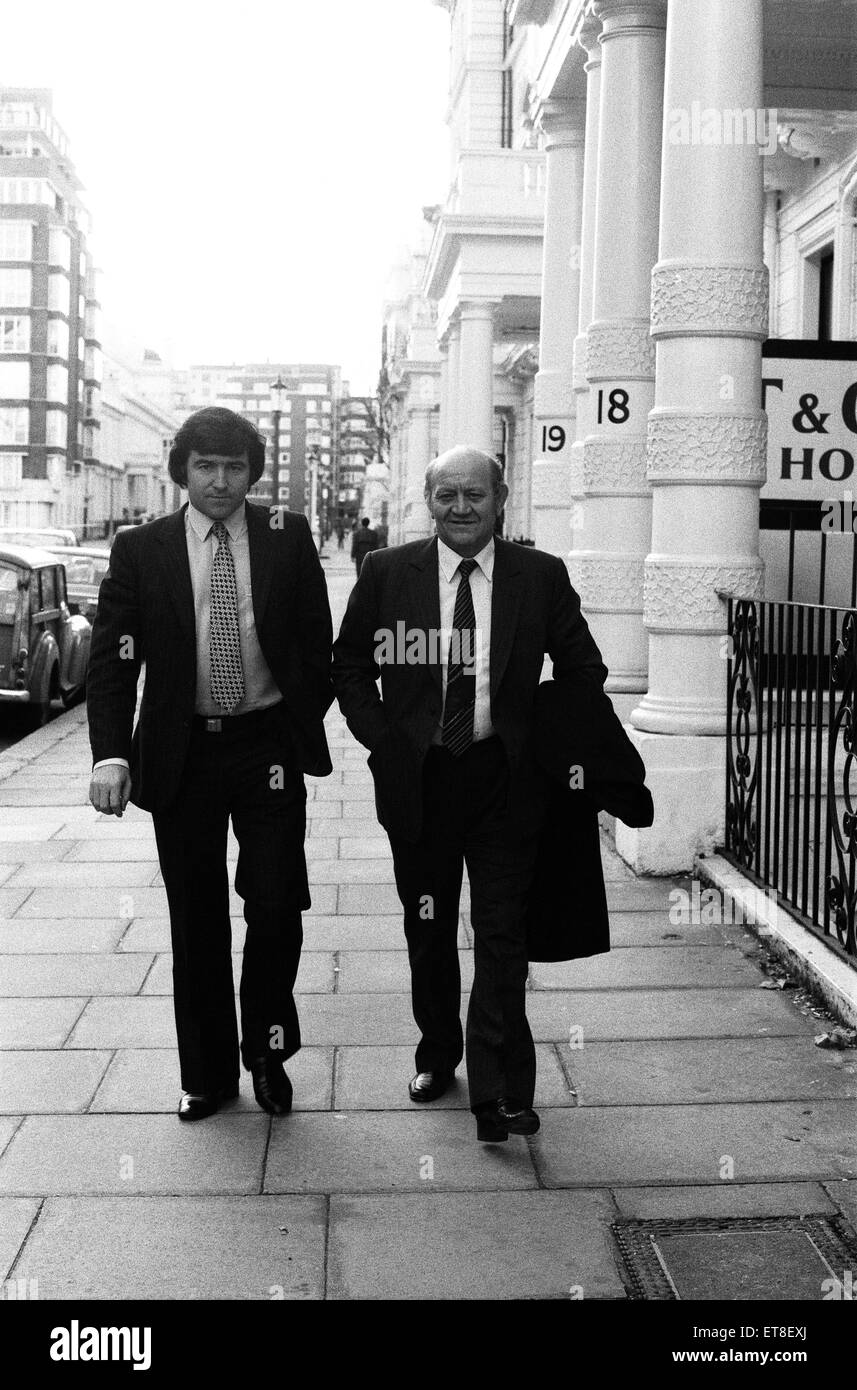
[
  {"x": 46, "y": 536},
  {"x": 85, "y": 567},
  {"x": 44, "y": 648}
]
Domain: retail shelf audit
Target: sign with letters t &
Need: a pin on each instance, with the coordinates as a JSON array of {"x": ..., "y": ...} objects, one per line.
[{"x": 809, "y": 391}]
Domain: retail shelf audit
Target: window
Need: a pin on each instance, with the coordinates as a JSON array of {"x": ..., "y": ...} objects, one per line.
[
  {"x": 14, "y": 424},
  {"x": 47, "y": 589},
  {"x": 60, "y": 248},
  {"x": 56, "y": 428},
  {"x": 11, "y": 470},
  {"x": 57, "y": 383},
  {"x": 26, "y": 191},
  {"x": 16, "y": 241},
  {"x": 57, "y": 338},
  {"x": 58, "y": 293},
  {"x": 14, "y": 381},
  {"x": 15, "y": 287},
  {"x": 8, "y": 595},
  {"x": 14, "y": 333},
  {"x": 825, "y": 297}
]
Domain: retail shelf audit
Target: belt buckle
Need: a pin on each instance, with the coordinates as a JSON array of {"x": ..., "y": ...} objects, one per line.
[{"x": 214, "y": 726}]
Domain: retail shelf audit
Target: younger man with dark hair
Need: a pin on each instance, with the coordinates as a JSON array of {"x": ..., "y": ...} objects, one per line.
[{"x": 226, "y": 603}]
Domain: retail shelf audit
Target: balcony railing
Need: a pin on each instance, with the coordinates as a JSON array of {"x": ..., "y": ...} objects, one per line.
[{"x": 791, "y": 780}]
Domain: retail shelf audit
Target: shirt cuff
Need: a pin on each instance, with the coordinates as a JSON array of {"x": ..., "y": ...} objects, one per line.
[{"x": 111, "y": 762}]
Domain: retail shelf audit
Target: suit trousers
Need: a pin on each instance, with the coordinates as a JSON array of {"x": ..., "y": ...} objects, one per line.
[
  {"x": 467, "y": 818},
  {"x": 247, "y": 773}
]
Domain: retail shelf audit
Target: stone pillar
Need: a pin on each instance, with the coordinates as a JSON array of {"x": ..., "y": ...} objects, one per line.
[
  {"x": 475, "y": 415},
  {"x": 449, "y": 429},
  {"x": 707, "y": 433},
  {"x": 607, "y": 565},
  {"x": 553, "y": 423},
  {"x": 417, "y": 522},
  {"x": 443, "y": 434},
  {"x": 589, "y": 36}
]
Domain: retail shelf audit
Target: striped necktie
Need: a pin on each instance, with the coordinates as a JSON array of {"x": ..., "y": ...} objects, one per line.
[
  {"x": 460, "y": 704},
  {"x": 226, "y": 670}
]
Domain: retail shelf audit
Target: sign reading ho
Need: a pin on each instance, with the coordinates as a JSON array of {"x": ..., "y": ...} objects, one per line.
[{"x": 809, "y": 390}]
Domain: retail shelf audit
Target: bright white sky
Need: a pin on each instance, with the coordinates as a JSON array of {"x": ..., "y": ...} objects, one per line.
[{"x": 251, "y": 168}]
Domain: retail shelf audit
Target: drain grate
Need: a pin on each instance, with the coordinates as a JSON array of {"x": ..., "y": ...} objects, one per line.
[{"x": 742, "y": 1257}]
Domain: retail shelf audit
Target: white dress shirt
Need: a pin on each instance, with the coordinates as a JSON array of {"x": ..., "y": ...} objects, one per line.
[
  {"x": 260, "y": 688},
  {"x": 481, "y": 587}
]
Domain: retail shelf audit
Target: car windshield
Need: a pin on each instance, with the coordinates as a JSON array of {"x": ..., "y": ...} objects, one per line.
[
  {"x": 8, "y": 594},
  {"x": 85, "y": 569}
]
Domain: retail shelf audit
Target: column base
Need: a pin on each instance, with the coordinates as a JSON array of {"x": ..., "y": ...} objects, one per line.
[{"x": 687, "y": 778}]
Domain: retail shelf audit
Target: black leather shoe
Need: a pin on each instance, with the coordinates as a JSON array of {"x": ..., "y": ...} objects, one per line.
[
  {"x": 198, "y": 1106},
  {"x": 490, "y": 1125},
  {"x": 429, "y": 1085},
  {"x": 518, "y": 1119},
  {"x": 271, "y": 1086}
]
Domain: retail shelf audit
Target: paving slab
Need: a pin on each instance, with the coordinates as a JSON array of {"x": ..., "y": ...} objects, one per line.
[
  {"x": 324, "y": 810},
  {"x": 153, "y": 934},
  {"x": 38, "y": 1023},
  {"x": 650, "y": 929},
  {"x": 69, "y": 875},
  {"x": 664, "y": 1013},
  {"x": 374, "y": 972},
  {"x": 503, "y": 1245},
  {"x": 356, "y": 933},
  {"x": 338, "y": 1020},
  {"x": 93, "y": 1154},
  {"x": 315, "y": 973},
  {"x": 709, "y": 1070},
  {"x": 11, "y": 899},
  {"x": 147, "y": 1081},
  {"x": 178, "y": 1248},
  {"x": 376, "y": 1078},
  {"x": 114, "y": 904},
  {"x": 34, "y": 834},
  {"x": 369, "y": 898},
  {"x": 319, "y": 824},
  {"x": 29, "y": 851},
  {"x": 352, "y": 871},
  {"x": 621, "y": 1146},
  {"x": 724, "y": 1200},
  {"x": 50, "y": 795},
  {"x": 106, "y": 830},
  {"x": 642, "y": 967},
  {"x": 135, "y": 1021},
  {"x": 68, "y": 973},
  {"x": 53, "y": 935},
  {"x": 34, "y": 1083},
  {"x": 364, "y": 847},
  {"x": 128, "y": 850},
  {"x": 843, "y": 1193},
  {"x": 17, "y": 1215},
  {"x": 360, "y": 1151},
  {"x": 8, "y": 1126}
]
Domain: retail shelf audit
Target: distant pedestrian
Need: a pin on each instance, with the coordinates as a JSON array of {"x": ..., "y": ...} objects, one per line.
[
  {"x": 340, "y": 535},
  {"x": 363, "y": 540}
]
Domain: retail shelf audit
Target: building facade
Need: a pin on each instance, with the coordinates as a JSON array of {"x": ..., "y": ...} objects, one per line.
[
  {"x": 50, "y": 359},
  {"x": 642, "y": 194},
  {"x": 308, "y": 426}
]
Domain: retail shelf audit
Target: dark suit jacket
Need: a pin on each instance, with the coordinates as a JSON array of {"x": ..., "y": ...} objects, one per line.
[
  {"x": 146, "y": 596},
  {"x": 567, "y": 911},
  {"x": 533, "y": 610}
]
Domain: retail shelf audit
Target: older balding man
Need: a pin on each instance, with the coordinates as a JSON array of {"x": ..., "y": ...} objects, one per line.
[{"x": 457, "y": 628}]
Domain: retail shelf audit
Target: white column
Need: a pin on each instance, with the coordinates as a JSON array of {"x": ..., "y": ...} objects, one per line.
[
  {"x": 417, "y": 522},
  {"x": 449, "y": 429},
  {"x": 589, "y": 37},
  {"x": 607, "y": 564},
  {"x": 444, "y": 436},
  {"x": 553, "y": 423},
  {"x": 476, "y": 374},
  {"x": 707, "y": 433}
]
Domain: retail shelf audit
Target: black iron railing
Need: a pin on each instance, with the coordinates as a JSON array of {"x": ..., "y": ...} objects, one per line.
[{"x": 791, "y": 812}]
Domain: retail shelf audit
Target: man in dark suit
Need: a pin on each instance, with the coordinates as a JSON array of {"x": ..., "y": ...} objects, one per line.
[
  {"x": 457, "y": 628},
  {"x": 226, "y": 604},
  {"x": 363, "y": 541}
]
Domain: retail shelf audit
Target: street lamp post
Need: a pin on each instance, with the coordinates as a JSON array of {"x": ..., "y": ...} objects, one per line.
[
  {"x": 278, "y": 390},
  {"x": 313, "y": 439}
]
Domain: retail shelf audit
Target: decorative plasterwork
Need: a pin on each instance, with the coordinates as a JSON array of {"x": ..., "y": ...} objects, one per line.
[
  {"x": 615, "y": 466},
  {"x": 690, "y": 299},
  {"x": 681, "y": 595},
  {"x": 620, "y": 351},
  {"x": 707, "y": 447},
  {"x": 608, "y": 584}
]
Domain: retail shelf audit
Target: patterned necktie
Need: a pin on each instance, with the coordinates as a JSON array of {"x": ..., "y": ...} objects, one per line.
[
  {"x": 460, "y": 705},
  {"x": 227, "y": 673}
]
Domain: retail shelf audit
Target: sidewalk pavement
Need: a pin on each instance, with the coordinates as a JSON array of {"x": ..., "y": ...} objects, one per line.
[{"x": 671, "y": 1085}]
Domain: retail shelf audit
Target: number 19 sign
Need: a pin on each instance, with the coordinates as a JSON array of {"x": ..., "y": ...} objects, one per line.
[{"x": 554, "y": 439}]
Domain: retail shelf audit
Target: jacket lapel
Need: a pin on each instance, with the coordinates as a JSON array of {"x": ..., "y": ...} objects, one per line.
[
  {"x": 177, "y": 568},
  {"x": 424, "y": 590},
  {"x": 505, "y": 604},
  {"x": 260, "y": 541}
]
